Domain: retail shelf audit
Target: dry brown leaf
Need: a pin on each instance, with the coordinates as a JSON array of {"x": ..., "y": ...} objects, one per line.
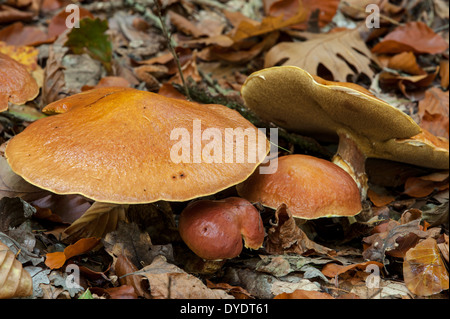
[
  {"x": 288, "y": 8},
  {"x": 108, "y": 81},
  {"x": 57, "y": 259},
  {"x": 425, "y": 185},
  {"x": 286, "y": 237},
  {"x": 333, "y": 51},
  {"x": 444, "y": 73},
  {"x": 18, "y": 34},
  {"x": 379, "y": 198},
  {"x": 123, "y": 267},
  {"x": 12, "y": 185},
  {"x": 247, "y": 29},
  {"x": 97, "y": 221},
  {"x": 14, "y": 280},
  {"x": 331, "y": 270},
  {"x": 434, "y": 112},
  {"x": 424, "y": 271},
  {"x": 395, "y": 238},
  {"x": 413, "y": 36},
  {"x": 406, "y": 62},
  {"x": 304, "y": 294},
  {"x": 9, "y": 14},
  {"x": 167, "y": 281},
  {"x": 236, "y": 291},
  {"x": 443, "y": 246},
  {"x": 58, "y": 23}
]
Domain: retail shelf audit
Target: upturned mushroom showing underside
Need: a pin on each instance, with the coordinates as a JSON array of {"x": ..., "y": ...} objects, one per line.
[
  {"x": 117, "y": 145},
  {"x": 366, "y": 126}
]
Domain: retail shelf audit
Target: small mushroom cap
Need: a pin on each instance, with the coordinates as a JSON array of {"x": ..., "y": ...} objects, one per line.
[
  {"x": 310, "y": 187},
  {"x": 114, "y": 145},
  {"x": 214, "y": 230},
  {"x": 16, "y": 83},
  {"x": 295, "y": 100}
]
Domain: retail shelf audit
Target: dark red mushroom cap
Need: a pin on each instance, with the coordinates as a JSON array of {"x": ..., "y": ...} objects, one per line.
[{"x": 214, "y": 230}]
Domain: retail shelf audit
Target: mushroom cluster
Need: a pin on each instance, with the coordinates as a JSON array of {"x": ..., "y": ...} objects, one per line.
[
  {"x": 365, "y": 126},
  {"x": 116, "y": 145}
]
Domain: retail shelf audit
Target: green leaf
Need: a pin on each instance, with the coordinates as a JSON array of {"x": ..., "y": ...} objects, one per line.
[
  {"x": 91, "y": 38},
  {"x": 86, "y": 295}
]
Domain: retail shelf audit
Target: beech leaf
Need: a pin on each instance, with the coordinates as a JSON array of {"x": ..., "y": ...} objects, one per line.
[{"x": 424, "y": 271}]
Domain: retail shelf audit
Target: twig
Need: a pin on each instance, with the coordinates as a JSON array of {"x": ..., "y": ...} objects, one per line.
[{"x": 172, "y": 50}]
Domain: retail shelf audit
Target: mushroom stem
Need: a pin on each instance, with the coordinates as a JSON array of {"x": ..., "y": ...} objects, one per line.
[{"x": 351, "y": 159}]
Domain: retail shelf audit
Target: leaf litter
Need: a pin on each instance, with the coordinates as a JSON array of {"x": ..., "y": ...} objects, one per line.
[{"x": 136, "y": 252}]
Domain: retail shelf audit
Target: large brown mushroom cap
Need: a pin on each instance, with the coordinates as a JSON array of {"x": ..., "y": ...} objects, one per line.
[
  {"x": 291, "y": 98},
  {"x": 16, "y": 83},
  {"x": 113, "y": 145},
  {"x": 310, "y": 187},
  {"x": 214, "y": 230}
]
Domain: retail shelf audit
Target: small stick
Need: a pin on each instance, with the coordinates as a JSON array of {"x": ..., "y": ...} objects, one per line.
[{"x": 172, "y": 50}]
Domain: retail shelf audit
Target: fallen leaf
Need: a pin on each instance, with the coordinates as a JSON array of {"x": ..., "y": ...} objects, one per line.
[
  {"x": 247, "y": 29},
  {"x": 405, "y": 62},
  {"x": 122, "y": 292},
  {"x": 168, "y": 281},
  {"x": 18, "y": 34},
  {"x": 9, "y": 14},
  {"x": 12, "y": 185},
  {"x": 91, "y": 38},
  {"x": 443, "y": 246},
  {"x": 434, "y": 112},
  {"x": 424, "y": 271},
  {"x": 123, "y": 267},
  {"x": 413, "y": 36},
  {"x": 108, "y": 81},
  {"x": 287, "y": 8},
  {"x": 304, "y": 294},
  {"x": 379, "y": 197},
  {"x": 425, "y": 185},
  {"x": 332, "y": 270},
  {"x": 58, "y": 23},
  {"x": 14, "y": 280},
  {"x": 57, "y": 259},
  {"x": 395, "y": 238},
  {"x": 286, "y": 237},
  {"x": 444, "y": 73},
  {"x": 97, "y": 221},
  {"x": 335, "y": 52},
  {"x": 236, "y": 291},
  {"x": 25, "y": 55}
]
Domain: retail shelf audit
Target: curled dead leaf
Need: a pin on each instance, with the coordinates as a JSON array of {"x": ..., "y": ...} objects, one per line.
[
  {"x": 286, "y": 237},
  {"x": 14, "y": 280}
]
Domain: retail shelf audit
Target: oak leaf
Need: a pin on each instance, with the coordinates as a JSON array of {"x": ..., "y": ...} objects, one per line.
[{"x": 335, "y": 52}]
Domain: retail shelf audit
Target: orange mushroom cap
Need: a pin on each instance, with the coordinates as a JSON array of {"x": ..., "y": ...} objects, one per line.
[
  {"x": 16, "y": 83},
  {"x": 214, "y": 230},
  {"x": 311, "y": 188},
  {"x": 114, "y": 145}
]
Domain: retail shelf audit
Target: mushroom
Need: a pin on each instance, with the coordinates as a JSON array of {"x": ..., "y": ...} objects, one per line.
[
  {"x": 366, "y": 126},
  {"x": 310, "y": 187},
  {"x": 117, "y": 145},
  {"x": 16, "y": 84},
  {"x": 214, "y": 229}
]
